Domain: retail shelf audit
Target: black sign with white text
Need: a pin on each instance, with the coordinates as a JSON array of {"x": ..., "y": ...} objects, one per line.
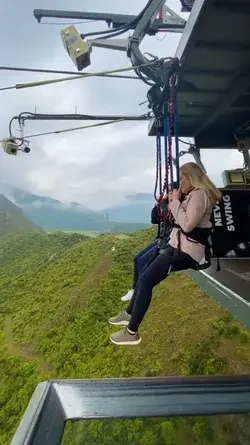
[{"x": 231, "y": 219}]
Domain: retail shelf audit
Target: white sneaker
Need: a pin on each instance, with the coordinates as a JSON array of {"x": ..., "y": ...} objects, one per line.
[{"x": 128, "y": 296}]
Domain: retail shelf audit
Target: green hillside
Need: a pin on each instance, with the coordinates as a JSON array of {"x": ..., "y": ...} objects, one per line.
[
  {"x": 12, "y": 218},
  {"x": 57, "y": 292}
]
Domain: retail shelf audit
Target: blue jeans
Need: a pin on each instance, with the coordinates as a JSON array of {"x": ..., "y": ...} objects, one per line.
[{"x": 143, "y": 259}]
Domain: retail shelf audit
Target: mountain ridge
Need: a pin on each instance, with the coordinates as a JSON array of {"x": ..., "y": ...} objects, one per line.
[
  {"x": 52, "y": 214},
  {"x": 12, "y": 218}
]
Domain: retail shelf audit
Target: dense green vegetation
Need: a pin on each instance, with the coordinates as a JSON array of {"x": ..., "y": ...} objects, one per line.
[{"x": 57, "y": 292}]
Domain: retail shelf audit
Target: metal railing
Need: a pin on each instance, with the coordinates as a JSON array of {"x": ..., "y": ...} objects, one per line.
[{"x": 56, "y": 402}]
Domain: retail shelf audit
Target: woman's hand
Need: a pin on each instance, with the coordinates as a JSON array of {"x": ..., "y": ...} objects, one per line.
[{"x": 176, "y": 194}]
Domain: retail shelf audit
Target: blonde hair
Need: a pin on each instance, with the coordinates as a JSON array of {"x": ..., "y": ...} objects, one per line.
[{"x": 199, "y": 180}]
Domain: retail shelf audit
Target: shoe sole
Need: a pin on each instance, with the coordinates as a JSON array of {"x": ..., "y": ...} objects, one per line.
[
  {"x": 119, "y": 323},
  {"x": 126, "y": 343},
  {"x": 126, "y": 299}
]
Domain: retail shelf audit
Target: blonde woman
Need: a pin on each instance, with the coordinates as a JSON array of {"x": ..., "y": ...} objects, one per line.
[{"x": 185, "y": 249}]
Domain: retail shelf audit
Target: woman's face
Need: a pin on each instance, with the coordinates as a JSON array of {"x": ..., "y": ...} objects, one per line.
[{"x": 185, "y": 184}]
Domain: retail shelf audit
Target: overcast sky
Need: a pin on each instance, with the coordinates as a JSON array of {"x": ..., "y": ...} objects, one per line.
[{"x": 97, "y": 167}]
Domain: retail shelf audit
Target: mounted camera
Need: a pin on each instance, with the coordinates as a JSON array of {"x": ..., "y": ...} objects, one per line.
[
  {"x": 26, "y": 149},
  {"x": 10, "y": 147},
  {"x": 78, "y": 49}
]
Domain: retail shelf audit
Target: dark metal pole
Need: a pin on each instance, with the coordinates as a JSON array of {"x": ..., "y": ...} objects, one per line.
[
  {"x": 98, "y": 16},
  {"x": 41, "y": 70},
  {"x": 141, "y": 29},
  {"x": 77, "y": 117},
  {"x": 246, "y": 157},
  {"x": 116, "y": 20}
]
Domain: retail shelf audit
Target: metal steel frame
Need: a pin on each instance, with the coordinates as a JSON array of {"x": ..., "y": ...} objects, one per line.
[
  {"x": 239, "y": 83},
  {"x": 173, "y": 22},
  {"x": 115, "y": 19},
  {"x": 54, "y": 403},
  {"x": 213, "y": 110},
  {"x": 213, "y": 120},
  {"x": 148, "y": 24},
  {"x": 77, "y": 117},
  {"x": 239, "y": 80},
  {"x": 22, "y": 117},
  {"x": 139, "y": 33},
  {"x": 199, "y": 9}
]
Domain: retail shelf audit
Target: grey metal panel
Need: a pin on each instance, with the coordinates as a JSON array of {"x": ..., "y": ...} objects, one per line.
[
  {"x": 201, "y": 96},
  {"x": 51, "y": 422},
  {"x": 80, "y": 15},
  {"x": 200, "y": 8},
  {"x": 192, "y": 112},
  {"x": 216, "y": 83},
  {"x": 59, "y": 401},
  {"x": 209, "y": 58},
  {"x": 215, "y": 53},
  {"x": 25, "y": 430},
  {"x": 206, "y": 22},
  {"x": 235, "y": 299}
]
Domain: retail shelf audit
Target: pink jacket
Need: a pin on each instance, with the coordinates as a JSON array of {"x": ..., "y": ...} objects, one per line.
[{"x": 194, "y": 211}]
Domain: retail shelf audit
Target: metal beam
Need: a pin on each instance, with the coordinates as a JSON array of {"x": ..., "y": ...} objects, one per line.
[
  {"x": 194, "y": 90},
  {"x": 79, "y": 117},
  {"x": 199, "y": 10},
  {"x": 238, "y": 85},
  {"x": 246, "y": 156},
  {"x": 192, "y": 105},
  {"x": 211, "y": 141},
  {"x": 171, "y": 17},
  {"x": 139, "y": 33},
  {"x": 195, "y": 152},
  {"x": 80, "y": 15},
  {"x": 171, "y": 22},
  {"x": 237, "y": 7},
  {"x": 231, "y": 47},
  {"x": 237, "y": 108},
  {"x": 115, "y": 44},
  {"x": 207, "y": 140},
  {"x": 217, "y": 72}
]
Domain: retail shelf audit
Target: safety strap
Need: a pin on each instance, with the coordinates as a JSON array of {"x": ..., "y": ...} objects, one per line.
[
  {"x": 201, "y": 236},
  {"x": 158, "y": 176},
  {"x": 170, "y": 127},
  {"x": 174, "y": 85}
]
